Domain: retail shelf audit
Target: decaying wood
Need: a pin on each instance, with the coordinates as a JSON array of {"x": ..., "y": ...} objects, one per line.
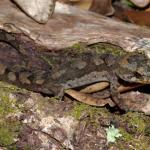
[
  {"x": 29, "y": 58},
  {"x": 71, "y": 25},
  {"x": 43, "y": 120}
]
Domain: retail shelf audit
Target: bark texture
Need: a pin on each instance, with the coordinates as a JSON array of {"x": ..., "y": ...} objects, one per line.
[{"x": 71, "y": 25}]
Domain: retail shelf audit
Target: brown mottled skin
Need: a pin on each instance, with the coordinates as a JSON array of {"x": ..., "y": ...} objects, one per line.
[{"x": 51, "y": 73}]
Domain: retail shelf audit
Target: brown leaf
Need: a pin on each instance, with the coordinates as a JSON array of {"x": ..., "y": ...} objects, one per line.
[
  {"x": 138, "y": 17},
  {"x": 133, "y": 101},
  {"x": 95, "y": 87},
  {"x": 102, "y": 7},
  {"x": 102, "y": 85},
  {"x": 84, "y": 4},
  {"x": 87, "y": 99}
]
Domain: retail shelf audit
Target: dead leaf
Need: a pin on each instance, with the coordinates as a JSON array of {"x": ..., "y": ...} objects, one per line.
[
  {"x": 87, "y": 99},
  {"x": 138, "y": 17},
  {"x": 102, "y": 7},
  {"x": 95, "y": 87},
  {"x": 102, "y": 85},
  {"x": 83, "y": 4},
  {"x": 123, "y": 88}
]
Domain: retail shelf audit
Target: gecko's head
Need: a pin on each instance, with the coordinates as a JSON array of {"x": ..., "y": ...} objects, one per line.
[{"x": 134, "y": 67}]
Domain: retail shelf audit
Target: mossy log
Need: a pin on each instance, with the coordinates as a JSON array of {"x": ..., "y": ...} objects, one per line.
[
  {"x": 34, "y": 55},
  {"x": 70, "y": 25},
  {"x": 29, "y": 50}
]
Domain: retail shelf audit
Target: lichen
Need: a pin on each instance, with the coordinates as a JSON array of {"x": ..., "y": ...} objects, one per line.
[{"x": 112, "y": 134}]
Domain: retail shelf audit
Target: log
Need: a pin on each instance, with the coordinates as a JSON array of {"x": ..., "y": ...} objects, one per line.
[
  {"x": 33, "y": 52},
  {"x": 70, "y": 25},
  {"x": 33, "y": 56}
]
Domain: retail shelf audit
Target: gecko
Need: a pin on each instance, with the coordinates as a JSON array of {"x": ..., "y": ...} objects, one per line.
[{"x": 51, "y": 73}]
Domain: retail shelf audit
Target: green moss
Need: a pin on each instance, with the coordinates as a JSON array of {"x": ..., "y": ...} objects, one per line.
[
  {"x": 9, "y": 128},
  {"x": 147, "y": 130},
  {"x": 99, "y": 48},
  {"x": 5, "y": 137},
  {"x": 79, "y": 47},
  {"x": 127, "y": 137},
  {"x": 133, "y": 128},
  {"x": 5, "y": 87},
  {"x": 102, "y": 48},
  {"x": 48, "y": 60},
  {"x": 78, "y": 110},
  {"x": 135, "y": 120},
  {"x": 6, "y": 105},
  {"x": 8, "y": 132},
  {"x": 136, "y": 142}
]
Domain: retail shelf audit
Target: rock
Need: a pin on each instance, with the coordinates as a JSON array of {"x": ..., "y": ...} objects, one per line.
[{"x": 39, "y": 10}]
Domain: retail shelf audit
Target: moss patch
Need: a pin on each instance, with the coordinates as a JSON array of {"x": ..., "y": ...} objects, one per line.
[
  {"x": 136, "y": 142},
  {"x": 99, "y": 48},
  {"x": 79, "y": 47},
  {"x": 79, "y": 109},
  {"x": 8, "y": 132},
  {"x": 9, "y": 126},
  {"x": 135, "y": 122},
  {"x": 102, "y": 48},
  {"x": 132, "y": 126}
]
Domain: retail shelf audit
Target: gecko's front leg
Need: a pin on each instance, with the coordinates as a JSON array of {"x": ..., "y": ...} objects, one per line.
[{"x": 112, "y": 77}]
